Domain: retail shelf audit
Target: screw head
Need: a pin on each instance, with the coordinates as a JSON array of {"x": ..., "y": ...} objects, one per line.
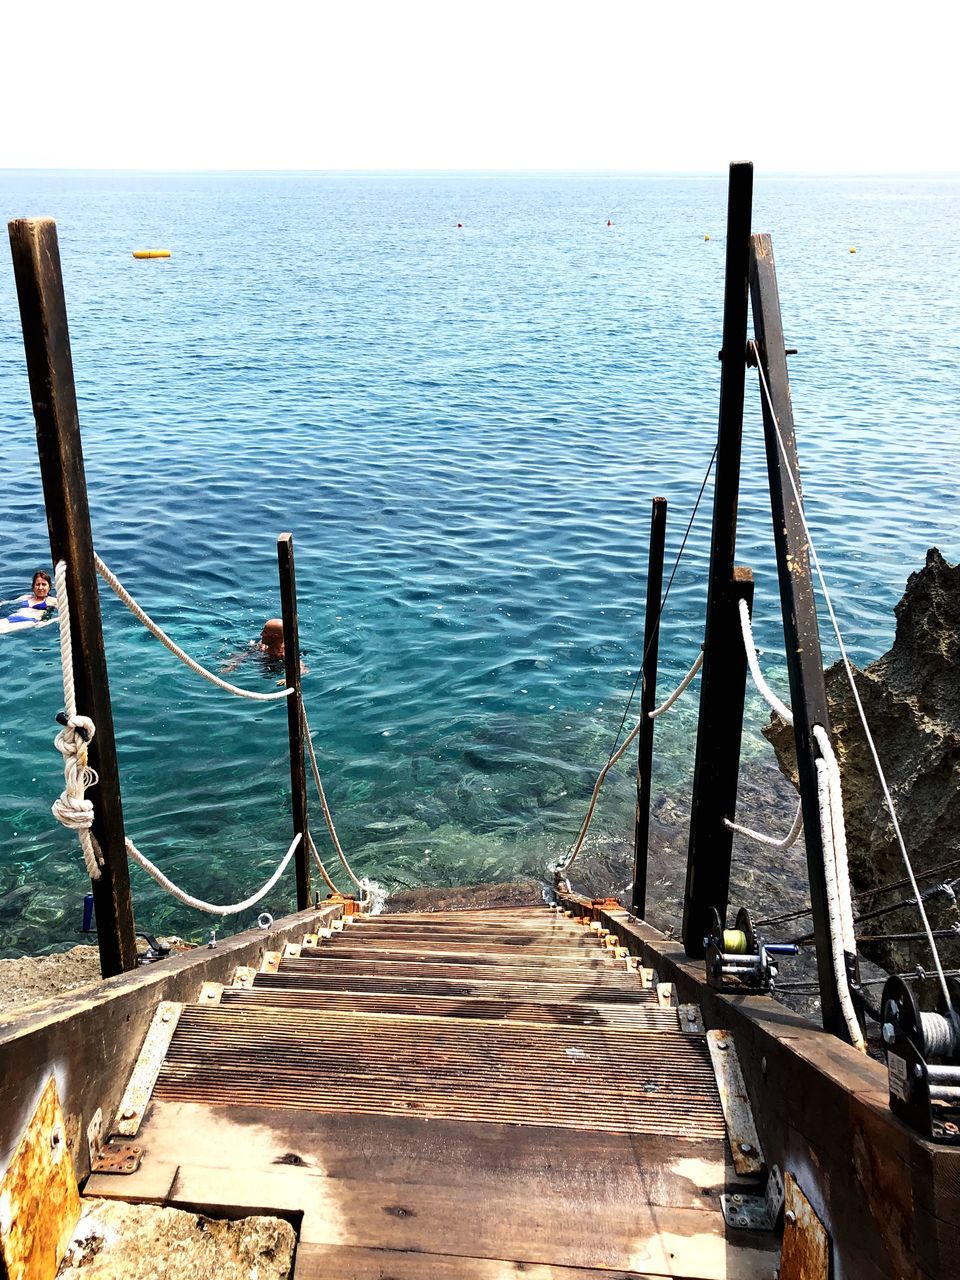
[
  {"x": 722, "y": 1044},
  {"x": 790, "y": 1217},
  {"x": 746, "y": 1148},
  {"x": 889, "y": 1034},
  {"x": 129, "y": 1113}
]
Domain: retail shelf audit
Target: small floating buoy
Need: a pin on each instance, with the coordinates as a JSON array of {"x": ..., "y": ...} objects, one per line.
[
  {"x": 151, "y": 253},
  {"x": 460, "y": 226},
  {"x": 853, "y": 250},
  {"x": 609, "y": 223},
  {"x": 706, "y": 237}
]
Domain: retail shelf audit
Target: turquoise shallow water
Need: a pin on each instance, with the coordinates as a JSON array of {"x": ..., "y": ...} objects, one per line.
[{"x": 463, "y": 428}]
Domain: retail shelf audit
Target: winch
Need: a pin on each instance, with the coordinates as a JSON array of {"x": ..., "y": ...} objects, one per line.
[
  {"x": 738, "y": 959},
  {"x": 923, "y": 1060}
]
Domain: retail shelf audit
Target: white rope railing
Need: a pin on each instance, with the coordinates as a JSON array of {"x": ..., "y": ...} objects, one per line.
[
  {"x": 115, "y": 585},
  {"x": 199, "y": 904},
  {"x": 72, "y": 808},
  {"x": 681, "y": 688},
  {"x": 320, "y": 867},
  {"x": 780, "y": 843},
  {"x": 856, "y": 694},
  {"x": 781, "y": 708}
]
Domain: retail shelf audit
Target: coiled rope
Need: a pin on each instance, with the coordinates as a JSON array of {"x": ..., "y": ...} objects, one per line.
[
  {"x": 115, "y": 585},
  {"x": 72, "y": 808},
  {"x": 853, "y": 687}
]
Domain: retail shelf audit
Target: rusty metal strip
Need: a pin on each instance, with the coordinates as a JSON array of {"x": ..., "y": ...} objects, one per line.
[
  {"x": 118, "y": 1157},
  {"x": 39, "y": 1200},
  {"x": 806, "y": 1245},
  {"x": 144, "y": 1077},
  {"x": 666, "y": 995},
  {"x": 741, "y": 1130}
]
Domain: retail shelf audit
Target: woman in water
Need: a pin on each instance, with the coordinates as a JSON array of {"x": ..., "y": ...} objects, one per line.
[{"x": 35, "y": 606}]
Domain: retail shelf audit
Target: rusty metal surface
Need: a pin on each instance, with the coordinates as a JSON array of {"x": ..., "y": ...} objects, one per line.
[
  {"x": 690, "y": 1019},
  {"x": 636, "y": 1081},
  {"x": 39, "y": 1200},
  {"x": 741, "y": 1130},
  {"x": 140, "y": 1086},
  {"x": 117, "y": 1156},
  {"x": 806, "y": 1245}
]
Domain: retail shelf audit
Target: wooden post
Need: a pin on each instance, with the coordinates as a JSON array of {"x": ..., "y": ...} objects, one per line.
[
  {"x": 291, "y": 660},
  {"x": 808, "y": 694},
  {"x": 721, "y": 705},
  {"x": 648, "y": 700},
  {"x": 43, "y": 312}
]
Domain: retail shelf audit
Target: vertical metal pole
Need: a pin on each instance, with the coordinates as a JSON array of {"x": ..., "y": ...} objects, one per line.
[
  {"x": 291, "y": 661},
  {"x": 648, "y": 700},
  {"x": 721, "y": 707},
  {"x": 46, "y": 340},
  {"x": 808, "y": 694}
]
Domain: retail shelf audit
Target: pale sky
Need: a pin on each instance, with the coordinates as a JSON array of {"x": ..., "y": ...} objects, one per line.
[{"x": 647, "y": 86}]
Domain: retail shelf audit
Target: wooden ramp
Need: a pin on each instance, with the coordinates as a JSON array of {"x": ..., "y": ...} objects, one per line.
[{"x": 474, "y": 1094}]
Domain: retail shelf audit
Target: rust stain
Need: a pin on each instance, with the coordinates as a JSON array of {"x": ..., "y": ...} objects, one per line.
[
  {"x": 39, "y": 1200},
  {"x": 888, "y": 1194},
  {"x": 806, "y": 1245}
]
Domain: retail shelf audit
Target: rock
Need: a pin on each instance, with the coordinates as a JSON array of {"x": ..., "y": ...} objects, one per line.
[
  {"x": 118, "y": 1241},
  {"x": 911, "y": 697}
]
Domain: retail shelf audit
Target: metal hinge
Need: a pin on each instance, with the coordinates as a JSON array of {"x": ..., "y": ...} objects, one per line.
[{"x": 117, "y": 1156}]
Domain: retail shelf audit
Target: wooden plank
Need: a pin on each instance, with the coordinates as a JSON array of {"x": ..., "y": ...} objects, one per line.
[
  {"x": 321, "y": 1262},
  {"x": 648, "y": 701},
  {"x": 462, "y": 953},
  {"x": 612, "y": 1231},
  {"x": 723, "y": 675},
  {"x": 490, "y": 986},
  {"x": 90, "y": 1039},
  {"x": 46, "y": 339},
  {"x": 801, "y": 633},
  {"x": 607, "y": 976},
  {"x": 291, "y": 663}
]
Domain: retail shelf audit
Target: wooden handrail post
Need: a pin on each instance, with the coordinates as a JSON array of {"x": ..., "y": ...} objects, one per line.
[
  {"x": 648, "y": 700},
  {"x": 808, "y": 693},
  {"x": 721, "y": 689},
  {"x": 46, "y": 340},
  {"x": 291, "y": 662}
]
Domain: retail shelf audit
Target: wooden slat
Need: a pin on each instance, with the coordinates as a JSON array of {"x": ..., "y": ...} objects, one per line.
[
  {"x": 321, "y": 1262},
  {"x": 491, "y": 984},
  {"x": 464, "y": 953},
  {"x": 332, "y": 964}
]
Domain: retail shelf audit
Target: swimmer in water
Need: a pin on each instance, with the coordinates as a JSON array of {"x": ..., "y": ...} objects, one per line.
[
  {"x": 271, "y": 638},
  {"x": 35, "y": 606},
  {"x": 269, "y": 649}
]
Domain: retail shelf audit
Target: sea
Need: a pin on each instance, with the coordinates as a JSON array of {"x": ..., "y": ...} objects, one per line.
[{"x": 460, "y": 393}]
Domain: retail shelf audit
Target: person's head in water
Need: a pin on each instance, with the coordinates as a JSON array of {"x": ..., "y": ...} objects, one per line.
[
  {"x": 42, "y": 584},
  {"x": 271, "y": 638}
]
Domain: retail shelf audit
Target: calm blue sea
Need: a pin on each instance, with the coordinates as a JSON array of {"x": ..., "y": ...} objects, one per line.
[{"x": 463, "y": 428}]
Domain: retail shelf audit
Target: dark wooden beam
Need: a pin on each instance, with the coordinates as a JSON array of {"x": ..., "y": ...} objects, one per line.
[
  {"x": 291, "y": 660},
  {"x": 801, "y": 633},
  {"x": 43, "y": 312},
  {"x": 648, "y": 700},
  {"x": 716, "y": 766}
]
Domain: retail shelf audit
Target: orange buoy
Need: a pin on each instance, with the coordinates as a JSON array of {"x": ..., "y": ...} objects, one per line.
[{"x": 151, "y": 253}]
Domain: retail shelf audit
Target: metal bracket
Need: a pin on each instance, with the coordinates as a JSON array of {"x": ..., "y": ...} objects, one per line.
[
  {"x": 144, "y": 1076},
  {"x": 691, "y": 1020},
  {"x": 243, "y": 976},
  {"x": 118, "y": 1157},
  {"x": 666, "y": 995},
  {"x": 210, "y": 993},
  {"x": 309, "y": 940},
  {"x": 741, "y": 1130},
  {"x": 271, "y": 962},
  {"x": 755, "y": 1213},
  {"x": 291, "y": 950}
]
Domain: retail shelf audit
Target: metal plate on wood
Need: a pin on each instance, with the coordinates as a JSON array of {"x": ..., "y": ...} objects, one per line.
[
  {"x": 806, "y": 1245},
  {"x": 244, "y": 975},
  {"x": 666, "y": 995},
  {"x": 118, "y": 1157},
  {"x": 690, "y": 1019},
  {"x": 292, "y": 949},
  {"x": 210, "y": 993},
  {"x": 144, "y": 1077},
  {"x": 271, "y": 962},
  {"x": 741, "y": 1130},
  {"x": 39, "y": 1200},
  {"x": 309, "y": 940}
]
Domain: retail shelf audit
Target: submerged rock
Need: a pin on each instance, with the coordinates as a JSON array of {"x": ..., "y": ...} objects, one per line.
[{"x": 911, "y": 697}]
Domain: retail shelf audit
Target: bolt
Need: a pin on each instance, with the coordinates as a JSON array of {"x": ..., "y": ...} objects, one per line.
[
  {"x": 165, "y": 1016},
  {"x": 889, "y": 1034},
  {"x": 129, "y": 1113},
  {"x": 746, "y": 1148},
  {"x": 722, "y": 1044},
  {"x": 737, "y": 1199},
  {"x": 790, "y": 1217}
]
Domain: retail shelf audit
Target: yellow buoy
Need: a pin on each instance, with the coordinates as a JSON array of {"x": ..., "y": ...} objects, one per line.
[
  {"x": 706, "y": 237},
  {"x": 853, "y": 251},
  {"x": 151, "y": 253}
]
